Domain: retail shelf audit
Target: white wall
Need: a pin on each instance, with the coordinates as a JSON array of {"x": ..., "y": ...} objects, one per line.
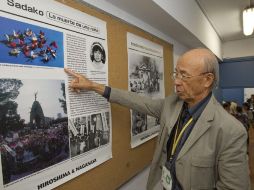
[
  {"x": 191, "y": 17},
  {"x": 247, "y": 93},
  {"x": 139, "y": 182},
  {"x": 234, "y": 49}
]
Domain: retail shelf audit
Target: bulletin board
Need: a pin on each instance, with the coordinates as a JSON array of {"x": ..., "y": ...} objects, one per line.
[{"x": 126, "y": 162}]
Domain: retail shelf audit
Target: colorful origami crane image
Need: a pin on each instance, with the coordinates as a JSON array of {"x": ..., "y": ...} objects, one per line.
[{"x": 31, "y": 45}]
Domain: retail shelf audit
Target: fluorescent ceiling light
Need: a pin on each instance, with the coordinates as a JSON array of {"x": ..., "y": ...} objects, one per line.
[{"x": 248, "y": 21}]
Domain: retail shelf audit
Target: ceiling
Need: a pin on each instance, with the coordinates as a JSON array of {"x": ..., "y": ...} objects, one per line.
[
  {"x": 155, "y": 16},
  {"x": 226, "y": 17}
]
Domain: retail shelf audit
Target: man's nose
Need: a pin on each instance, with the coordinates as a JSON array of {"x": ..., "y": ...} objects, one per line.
[{"x": 177, "y": 81}]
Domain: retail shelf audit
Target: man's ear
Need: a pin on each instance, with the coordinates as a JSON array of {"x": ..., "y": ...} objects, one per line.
[{"x": 209, "y": 80}]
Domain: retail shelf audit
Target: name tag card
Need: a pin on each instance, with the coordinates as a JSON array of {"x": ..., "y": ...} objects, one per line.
[{"x": 166, "y": 179}]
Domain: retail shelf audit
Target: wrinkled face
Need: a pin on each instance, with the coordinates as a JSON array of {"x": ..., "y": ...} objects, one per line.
[
  {"x": 97, "y": 56},
  {"x": 190, "y": 81}
]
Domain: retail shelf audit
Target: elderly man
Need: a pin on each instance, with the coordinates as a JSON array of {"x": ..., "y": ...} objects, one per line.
[{"x": 200, "y": 145}]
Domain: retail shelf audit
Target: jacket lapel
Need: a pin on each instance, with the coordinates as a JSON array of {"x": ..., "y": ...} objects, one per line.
[
  {"x": 201, "y": 126},
  {"x": 173, "y": 118}
]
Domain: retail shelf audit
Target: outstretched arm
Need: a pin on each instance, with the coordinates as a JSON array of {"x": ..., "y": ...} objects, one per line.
[
  {"x": 131, "y": 100},
  {"x": 81, "y": 82}
]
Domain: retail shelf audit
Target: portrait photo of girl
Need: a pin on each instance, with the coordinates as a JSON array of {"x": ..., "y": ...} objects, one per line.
[{"x": 97, "y": 55}]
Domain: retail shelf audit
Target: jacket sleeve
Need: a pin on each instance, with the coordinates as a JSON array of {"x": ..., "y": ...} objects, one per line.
[
  {"x": 233, "y": 170},
  {"x": 139, "y": 103}
]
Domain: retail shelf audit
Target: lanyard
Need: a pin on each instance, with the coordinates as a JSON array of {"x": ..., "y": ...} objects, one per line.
[{"x": 177, "y": 139}]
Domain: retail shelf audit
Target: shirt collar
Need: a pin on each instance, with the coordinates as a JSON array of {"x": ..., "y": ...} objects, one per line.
[{"x": 196, "y": 110}]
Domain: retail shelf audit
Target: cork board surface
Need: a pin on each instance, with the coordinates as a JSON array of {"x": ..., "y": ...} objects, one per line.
[{"x": 126, "y": 162}]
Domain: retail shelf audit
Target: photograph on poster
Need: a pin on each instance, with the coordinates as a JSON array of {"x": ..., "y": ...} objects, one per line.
[
  {"x": 22, "y": 43},
  {"x": 33, "y": 126},
  {"x": 142, "y": 122},
  {"x": 145, "y": 75},
  {"x": 146, "y": 79},
  {"x": 88, "y": 133},
  {"x": 139, "y": 122},
  {"x": 97, "y": 55}
]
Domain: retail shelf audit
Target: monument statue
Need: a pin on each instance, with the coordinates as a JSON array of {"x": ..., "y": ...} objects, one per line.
[{"x": 37, "y": 117}]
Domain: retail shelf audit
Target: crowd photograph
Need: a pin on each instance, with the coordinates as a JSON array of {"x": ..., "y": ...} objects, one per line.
[
  {"x": 33, "y": 135},
  {"x": 88, "y": 133}
]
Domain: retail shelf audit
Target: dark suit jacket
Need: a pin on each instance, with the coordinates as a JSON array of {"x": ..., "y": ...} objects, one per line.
[{"x": 213, "y": 156}]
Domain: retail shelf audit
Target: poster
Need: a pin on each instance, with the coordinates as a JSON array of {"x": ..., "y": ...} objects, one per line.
[
  {"x": 146, "y": 78},
  {"x": 49, "y": 134}
]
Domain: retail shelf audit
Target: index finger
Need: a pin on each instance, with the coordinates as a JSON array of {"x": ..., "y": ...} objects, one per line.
[{"x": 70, "y": 72}]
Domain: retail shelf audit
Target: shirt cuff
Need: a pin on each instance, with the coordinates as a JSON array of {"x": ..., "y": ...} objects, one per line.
[{"x": 106, "y": 93}]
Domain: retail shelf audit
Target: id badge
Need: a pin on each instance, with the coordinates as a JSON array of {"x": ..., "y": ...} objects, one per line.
[{"x": 166, "y": 178}]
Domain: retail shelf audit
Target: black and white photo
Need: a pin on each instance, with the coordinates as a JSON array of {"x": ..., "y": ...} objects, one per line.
[
  {"x": 146, "y": 77},
  {"x": 97, "y": 55},
  {"x": 88, "y": 133}
]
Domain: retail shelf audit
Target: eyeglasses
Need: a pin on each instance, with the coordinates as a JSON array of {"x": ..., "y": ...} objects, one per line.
[{"x": 184, "y": 77}]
